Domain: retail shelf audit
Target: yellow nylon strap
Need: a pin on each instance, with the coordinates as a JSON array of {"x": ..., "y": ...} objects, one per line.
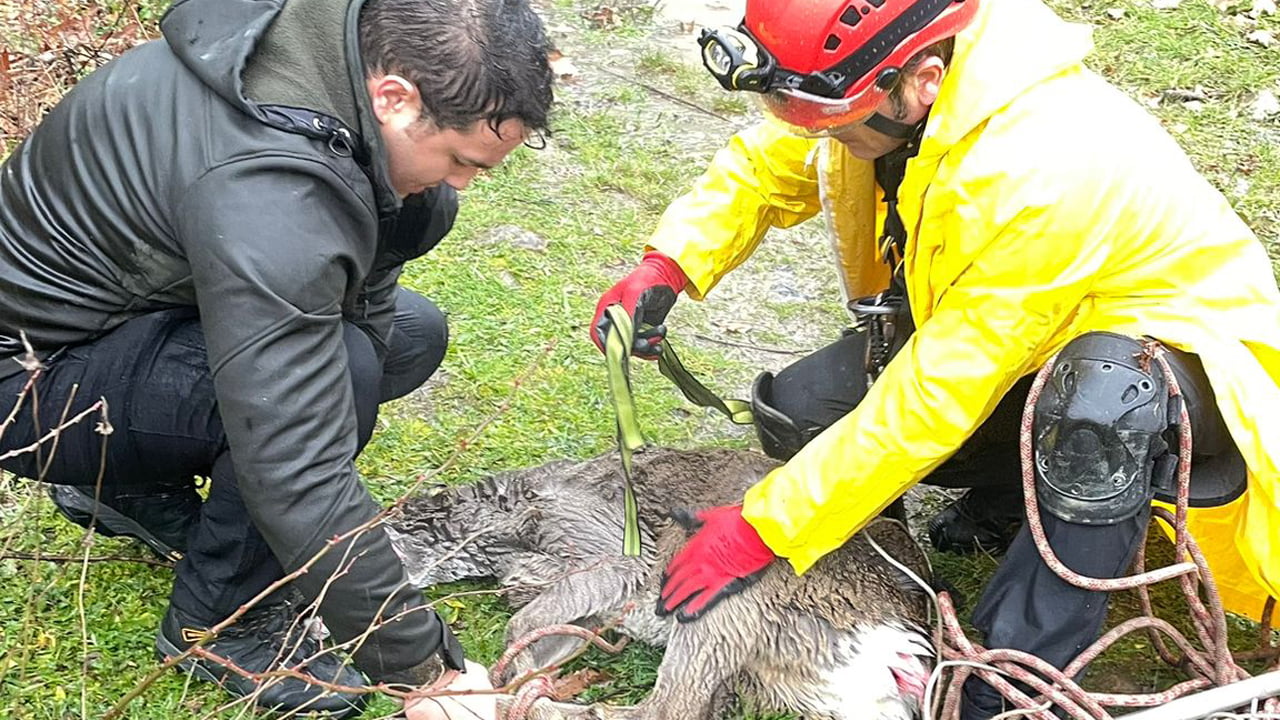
[
  {"x": 617, "y": 360},
  {"x": 617, "y": 354}
]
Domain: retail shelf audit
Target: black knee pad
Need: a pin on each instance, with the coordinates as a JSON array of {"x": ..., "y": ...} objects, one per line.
[
  {"x": 780, "y": 438},
  {"x": 809, "y": 395},
  {"x": 1098, "y": 428}
]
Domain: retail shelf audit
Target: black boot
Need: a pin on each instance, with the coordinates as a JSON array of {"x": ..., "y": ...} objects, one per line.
[
  {"x": 267, "y": 637},
  {"x": 158, "y": 517},
  {"x": 980, "y": 520}
]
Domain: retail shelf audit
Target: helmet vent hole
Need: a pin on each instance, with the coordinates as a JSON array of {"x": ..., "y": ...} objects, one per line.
[
  {"x": 1145, "y": 385},
  {"x": 877, "y": 3},
  {"x": 1107, "y": 367},
  {"x": 850, "y": 16},
  {"x": 832, "y": 43}
]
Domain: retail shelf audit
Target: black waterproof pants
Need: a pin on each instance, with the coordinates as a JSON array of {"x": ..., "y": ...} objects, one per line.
[
  {"x": 1025, "y": 605},
  {"x": 154, "y": 375}
]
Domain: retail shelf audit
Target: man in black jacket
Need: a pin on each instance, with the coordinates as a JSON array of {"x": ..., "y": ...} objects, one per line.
[{"x": 207, "y": 233}]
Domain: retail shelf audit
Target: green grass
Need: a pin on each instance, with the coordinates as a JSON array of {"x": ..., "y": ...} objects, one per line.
[{"x": 619, "y": 154}]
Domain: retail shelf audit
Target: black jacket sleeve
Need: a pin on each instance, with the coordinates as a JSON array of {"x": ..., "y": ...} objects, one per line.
[{"x": 275, "y": 245}]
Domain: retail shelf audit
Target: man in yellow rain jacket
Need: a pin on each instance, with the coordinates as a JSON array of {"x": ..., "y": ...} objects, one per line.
[{"x": 1027, "y": 209}]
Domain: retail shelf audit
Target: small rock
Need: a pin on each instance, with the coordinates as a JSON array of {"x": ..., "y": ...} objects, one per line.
[
  {"x": 1242, "y": 187},
  {"x": 515, "y": 236},
  {"x": 508, "y": 280},
  {"x": 1115, "y": 13},
  {"x": 1193, "y": 105},
  {"x": 1184, "y": 95},
  {"x": 1264, "y": 106},
  {"x": 1265, "y": 38},
  {"x": 1165, "y": 4},
  {"x": 1262, "y": 7}
]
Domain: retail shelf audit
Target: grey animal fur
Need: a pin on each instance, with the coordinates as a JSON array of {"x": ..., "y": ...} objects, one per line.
[{"x": 552, "y": 536}]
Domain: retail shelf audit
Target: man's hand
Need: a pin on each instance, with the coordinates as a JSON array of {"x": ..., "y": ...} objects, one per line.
[
  {"x": 647, "y": 294},
  {"x": 482, "y": 706},
  {"x": 724, "y": 556}
]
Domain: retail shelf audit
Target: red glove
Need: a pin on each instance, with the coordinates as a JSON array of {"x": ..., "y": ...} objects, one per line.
[
  {"x": 647, "y": 294},
  {"x": 724, "y": 556}
]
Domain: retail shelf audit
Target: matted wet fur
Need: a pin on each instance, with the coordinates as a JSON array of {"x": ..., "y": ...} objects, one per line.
[{"x": 844, "y": 640}]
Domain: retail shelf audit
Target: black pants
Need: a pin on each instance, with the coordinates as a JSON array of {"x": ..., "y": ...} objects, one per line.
[
  {"x": 1025, "y": 605},
  {"x": 153, "y": 372}
]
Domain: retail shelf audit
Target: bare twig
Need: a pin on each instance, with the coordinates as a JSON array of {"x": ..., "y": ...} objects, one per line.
[
  {"x": 94, "y": 559},
  {"x": 752, "y": 346},
  {"x": 631, "y": 80},
  {"x": 54, "y": 432},
  {"x": 341, "y": 539}
]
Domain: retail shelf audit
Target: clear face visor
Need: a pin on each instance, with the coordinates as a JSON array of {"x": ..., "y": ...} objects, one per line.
[{"x": 814, "y": 116}]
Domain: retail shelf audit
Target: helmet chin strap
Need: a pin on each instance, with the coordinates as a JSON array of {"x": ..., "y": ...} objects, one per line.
[{"x": 888, "y": 126}]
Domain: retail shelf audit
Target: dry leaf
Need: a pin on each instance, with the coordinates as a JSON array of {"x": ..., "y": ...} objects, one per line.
[
  {"x": 562, "y": 66},
  {"x": 572, "y": 685},
  {"x": 603, "y": 17}
]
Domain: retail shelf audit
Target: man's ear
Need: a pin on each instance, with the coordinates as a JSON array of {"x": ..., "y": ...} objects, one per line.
[
  {"x": 928, "y": 79},
  {"x": 395, "y": 100}
]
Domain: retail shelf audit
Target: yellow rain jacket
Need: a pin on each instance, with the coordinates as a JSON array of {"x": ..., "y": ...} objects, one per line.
[{"x": 1043, "y": 204}]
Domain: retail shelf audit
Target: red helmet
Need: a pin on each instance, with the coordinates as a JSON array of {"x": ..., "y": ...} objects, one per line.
[{"x": 826, "y": 64}]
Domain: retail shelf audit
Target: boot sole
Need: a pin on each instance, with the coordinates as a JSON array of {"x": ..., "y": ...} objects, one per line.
[
  {"x": 81, "y": 509},
  {"x": 166, "y": 649}
]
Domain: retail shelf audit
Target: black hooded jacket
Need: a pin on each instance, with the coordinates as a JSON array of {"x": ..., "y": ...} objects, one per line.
[{"x": 235, "y": 166}]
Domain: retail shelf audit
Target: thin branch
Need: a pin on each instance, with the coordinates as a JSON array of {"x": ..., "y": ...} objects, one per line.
[
  {"x": 52, "y": 433},
  {"x": 631, "y": 79},
  {"x": 95, "y": 559},
  {"x": 752, "y": 346},
  {"x": 342, "y": 538}
]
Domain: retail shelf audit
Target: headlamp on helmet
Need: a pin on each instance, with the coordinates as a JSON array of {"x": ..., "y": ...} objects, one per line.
[{"x": 734, "y": 58}]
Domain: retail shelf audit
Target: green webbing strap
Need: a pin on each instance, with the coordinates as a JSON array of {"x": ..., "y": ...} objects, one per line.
[
  {"x": 738, "y": 411},
  {"x": 617, "y": 356},
  {"x": 617, "y": 353}
]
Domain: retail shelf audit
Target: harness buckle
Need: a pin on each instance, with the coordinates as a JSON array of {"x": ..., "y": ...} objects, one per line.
[{"x": 884, "y": 318}]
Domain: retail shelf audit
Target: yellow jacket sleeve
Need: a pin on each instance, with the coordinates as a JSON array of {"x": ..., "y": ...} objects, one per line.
[
  {"x": 765, "y": 177},
  {"x": 1025, "y": 279}
]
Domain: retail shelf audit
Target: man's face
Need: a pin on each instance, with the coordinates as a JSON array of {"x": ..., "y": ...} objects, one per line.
[
  {"x": 919, "y": 91},
  {"x": 420, "y": 154}
]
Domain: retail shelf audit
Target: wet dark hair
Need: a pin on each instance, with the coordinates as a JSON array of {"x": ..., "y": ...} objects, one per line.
[
  {"x": 470, "y": 59},
  {"x": 943, "y": 49}
]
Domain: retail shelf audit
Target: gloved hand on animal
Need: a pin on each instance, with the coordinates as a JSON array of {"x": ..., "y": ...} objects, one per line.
[
  {"x": 647, "y": 294},
  {"x": 724, "y": 556}
]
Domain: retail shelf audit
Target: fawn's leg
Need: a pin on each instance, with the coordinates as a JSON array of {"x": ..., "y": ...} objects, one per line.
[{"x": 587, "y": 597}]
